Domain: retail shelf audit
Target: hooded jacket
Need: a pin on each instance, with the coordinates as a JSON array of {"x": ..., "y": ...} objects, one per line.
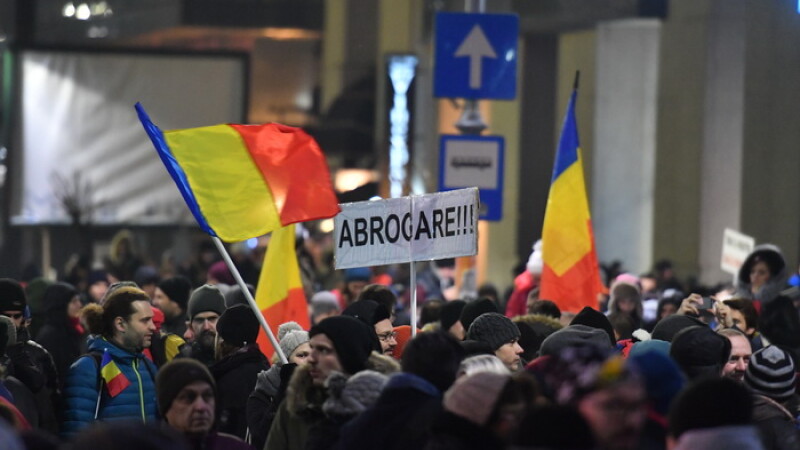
[
  {"x": 136, "y": 402},
  {"x": 772, "y": 288}
]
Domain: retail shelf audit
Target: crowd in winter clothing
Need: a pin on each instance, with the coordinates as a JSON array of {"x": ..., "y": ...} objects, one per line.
[{"x": 163, "y": 363}]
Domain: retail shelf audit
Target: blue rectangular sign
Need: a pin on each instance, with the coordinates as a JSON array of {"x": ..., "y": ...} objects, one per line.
[
  {"x": 474, "y": 161},
  {"x": 476, "y": 56}
]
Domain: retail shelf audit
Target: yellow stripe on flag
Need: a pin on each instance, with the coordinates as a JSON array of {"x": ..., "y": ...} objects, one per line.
[
  {"x": 280, "y": 295},
  {"x": 226, "y": 182},
  {"x": 565, "y": 234}
]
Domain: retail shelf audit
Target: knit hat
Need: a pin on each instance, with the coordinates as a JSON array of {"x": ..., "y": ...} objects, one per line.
[
  {"x": 352, "y": 339},
  {"x": 177, "y": 374},
  {"x": 177, "y": 289},
  {"x": 493, "y": 328},
  {"x": 206, "y": 298},
  {"x": 348, "y": 397},
  {"x": 535, "y": 264},
  {"x": 771, "y": 373},
  {"x": 663, "y": 379},
  {"x": 710, "y": 403},
  {"x": 595, "y": 319},
  {"x": 292, "y": 339},
  {"x": 668, "y": 327},
  {"x": 235, "y": 296},
  {"x": 700, "y": 351},
  {"x": 368, "y": 311},
  {"x": 474, "y": 309},
  {"x": 474, "y": 397},
  {"x": 12, "y": 296},
  {"x": 574, "y": 336},
  {"x": 238, "y": 326},
  {"x": 650, "y": 345},
  {"x": 220, "y": 272},
  {"x": 450, "y": 313}
]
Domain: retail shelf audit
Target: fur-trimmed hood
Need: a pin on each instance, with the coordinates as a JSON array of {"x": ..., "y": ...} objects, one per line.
[
  {"x": 303, "y": 397},
  {"x": 773, "y": 257}
]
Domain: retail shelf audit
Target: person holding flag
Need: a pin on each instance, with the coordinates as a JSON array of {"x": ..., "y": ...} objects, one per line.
[{"x": 115, "y": 381}]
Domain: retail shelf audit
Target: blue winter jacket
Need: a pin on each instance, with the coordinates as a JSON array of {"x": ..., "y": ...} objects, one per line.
[{"x": 137, "y": 401}]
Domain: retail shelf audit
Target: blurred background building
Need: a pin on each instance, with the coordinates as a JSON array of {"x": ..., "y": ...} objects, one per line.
[{"x": 687, "y": 113}]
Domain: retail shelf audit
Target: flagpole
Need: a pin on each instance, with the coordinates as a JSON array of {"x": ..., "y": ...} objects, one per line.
[
  {"x": 413, "y": 299},
  {"x": 249, "y": 297}
]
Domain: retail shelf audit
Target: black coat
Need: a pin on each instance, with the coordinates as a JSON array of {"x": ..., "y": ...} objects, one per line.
[
  {"x": 400, "y": 419},
  {"x": 236, "y": 378}
]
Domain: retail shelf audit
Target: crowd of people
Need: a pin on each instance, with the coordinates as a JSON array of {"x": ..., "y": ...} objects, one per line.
[{"x": 160, "y": 362}]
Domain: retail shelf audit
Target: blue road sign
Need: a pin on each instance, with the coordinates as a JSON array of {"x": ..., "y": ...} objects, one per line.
[
  {"x": 474, "y": 161},
  {"x": 476, "y": 55}
]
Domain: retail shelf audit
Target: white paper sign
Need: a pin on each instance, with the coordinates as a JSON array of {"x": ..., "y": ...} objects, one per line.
[
  {"x": 415, "y": 228},
  {"x": 735, "y": 248}
]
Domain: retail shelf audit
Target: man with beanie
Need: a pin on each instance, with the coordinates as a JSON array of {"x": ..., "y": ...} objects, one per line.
[
  {"x": 700, "y": 352},
  {"x": 187, "y": 402},
  {"x": 449, "y": 318},
  {"x": 239, "y": 360},
  {"x": 172, "y": 298},
  {"x": 595, "y": 319},
  {"x": 502, "y": 336},
  {"x": 770, "y": 377},
  {"x": 338, "y": 344},
  {"x": 574, "y": 336},
  {"x": 115, "y": 381},
  {"x": 376, "y": 315},
  {"x": 206, "y": 305},
  {"x": 323, "y": 305}
]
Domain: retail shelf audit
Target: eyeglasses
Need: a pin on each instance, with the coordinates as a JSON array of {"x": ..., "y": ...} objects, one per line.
[
  {"x": 14, "y": 316},
  {"x": 386, "y": 336}
]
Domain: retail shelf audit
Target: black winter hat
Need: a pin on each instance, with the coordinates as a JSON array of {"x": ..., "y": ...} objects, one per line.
[
  {"x": 177, "y": 374},
  {"x": 474, "y": 309},
  {"x": 238, "y": 326},
  {"x": 595, "y": 319},
  {"x": 574, "y": 336},
  {"x": 352, "y": 339},
  {"x": 451, "y": 312},
  {"x": 700, "y": 351},
  {"x": 12, "y": 296},
  {"x": 178, "y": 289},
  {"x": 206, "y": 298},
  {"x": 367, "y": 311},
  {"x": 493, "y": 328},
  {"x": 667, "y": 328},
  {"x": 710, "y": 403}
]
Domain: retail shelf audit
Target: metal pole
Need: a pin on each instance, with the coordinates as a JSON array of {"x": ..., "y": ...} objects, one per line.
[
  {"x": 413, "y": 299},
  {"x": 250, "y": 301}
]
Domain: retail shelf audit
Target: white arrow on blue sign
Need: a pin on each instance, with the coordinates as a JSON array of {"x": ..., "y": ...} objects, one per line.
[{"x": 476, "y": 55}]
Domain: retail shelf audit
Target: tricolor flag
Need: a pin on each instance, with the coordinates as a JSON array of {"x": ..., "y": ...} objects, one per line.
[
  {"x": 280, "y": 295},
  {"x": 570, "y": 276},
  {"x": 243, "y": 181},
  {"x": 114, "y": 379}
]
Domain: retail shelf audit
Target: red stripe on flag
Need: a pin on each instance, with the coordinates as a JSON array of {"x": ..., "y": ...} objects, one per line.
[
  {"x": 295, "y": 170},
  {"x": 576, "y": 288}
]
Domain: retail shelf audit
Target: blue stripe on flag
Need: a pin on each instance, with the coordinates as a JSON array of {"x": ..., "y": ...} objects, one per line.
[{"x": 568, "y": 144}]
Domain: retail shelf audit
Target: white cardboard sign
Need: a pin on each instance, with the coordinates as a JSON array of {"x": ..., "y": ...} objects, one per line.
[
  {"x": 405, "y": 229},
  {"x": 735, "y": 248}
]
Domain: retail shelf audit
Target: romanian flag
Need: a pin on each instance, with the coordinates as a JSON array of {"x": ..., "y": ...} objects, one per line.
[
  {"x": 280, "y": 295},
  {"x": 570, "y": 276},
  {"x": 115, "y": 380},
  {"x": 243, "y": 181}
]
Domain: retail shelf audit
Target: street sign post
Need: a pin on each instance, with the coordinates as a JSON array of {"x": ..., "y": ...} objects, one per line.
[
  {"x": 476, "y": 56},
  {"x": 474, "y": 161}
]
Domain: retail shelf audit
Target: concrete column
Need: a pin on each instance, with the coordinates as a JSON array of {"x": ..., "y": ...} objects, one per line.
[
  {"x": 721, "y": 162},
  {"x": 625, "y": 143}
]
